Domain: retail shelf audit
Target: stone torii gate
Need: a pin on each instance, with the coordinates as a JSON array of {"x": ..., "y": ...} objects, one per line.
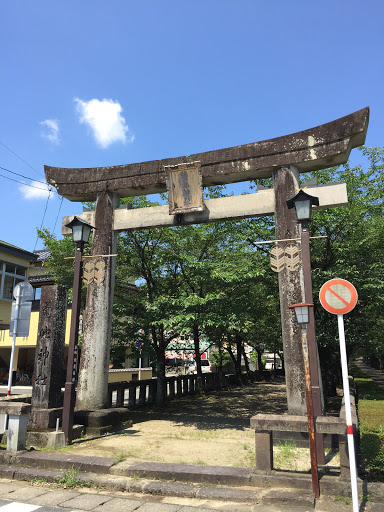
[{"x": 282, "y": 158}]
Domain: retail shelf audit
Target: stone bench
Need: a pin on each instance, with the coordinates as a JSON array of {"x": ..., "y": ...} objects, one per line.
[
  {"x": 18, "y": 413},
  {"x": 266, "y": 424}
]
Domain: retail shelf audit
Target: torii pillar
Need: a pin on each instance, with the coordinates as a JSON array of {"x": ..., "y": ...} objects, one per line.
[
  {"x": 92, "y": 386},
  {"x": 291, "y": 288},
  {"x": 310, "y": 150}
]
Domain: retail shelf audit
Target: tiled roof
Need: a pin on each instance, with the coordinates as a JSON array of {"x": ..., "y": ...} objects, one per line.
[{"x": 42, "y": 254}]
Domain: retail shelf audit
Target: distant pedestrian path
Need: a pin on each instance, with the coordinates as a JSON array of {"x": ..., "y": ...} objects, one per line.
[{"x": 376, "y": 375}]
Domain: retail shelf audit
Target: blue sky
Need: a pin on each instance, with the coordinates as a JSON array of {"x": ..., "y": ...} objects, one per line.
[{"x": 92, "y": 83}]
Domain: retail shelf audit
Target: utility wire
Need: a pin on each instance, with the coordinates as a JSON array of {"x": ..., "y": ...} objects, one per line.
[
  {"x": 58, "y": 213},
  {"x": 22, "y": 175},
  {"x": 26, "y": 184},
  {"x": 42, "y": 221},
  {"x": 19, "y": 157}
]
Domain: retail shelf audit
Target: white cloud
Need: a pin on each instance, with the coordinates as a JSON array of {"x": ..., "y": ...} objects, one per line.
[
  {"x": 105, "y": 120},
  {"x": 37, "y": 190},
  {"x": 51, "y": 130}
]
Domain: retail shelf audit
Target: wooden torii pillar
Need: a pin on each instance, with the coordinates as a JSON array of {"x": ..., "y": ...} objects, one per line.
[{"x": 284, "y": 158}]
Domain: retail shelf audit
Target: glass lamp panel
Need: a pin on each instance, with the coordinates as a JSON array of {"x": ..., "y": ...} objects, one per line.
[
  {"x": 86, "y": 233},
  {"x": 77, "y": 232},
  {"x": 302, "y": 314},
  {"x": 303, "y": 209}
]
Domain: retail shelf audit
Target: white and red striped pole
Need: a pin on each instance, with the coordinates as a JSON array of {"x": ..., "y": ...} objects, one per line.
[{"x": 348, "y": 414}]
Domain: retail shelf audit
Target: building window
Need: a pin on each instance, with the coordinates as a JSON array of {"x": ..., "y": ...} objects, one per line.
[{"x": 10, "y": 276}]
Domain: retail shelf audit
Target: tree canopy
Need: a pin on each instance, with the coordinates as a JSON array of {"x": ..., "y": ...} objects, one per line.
[{"x": 210, "y": 280}]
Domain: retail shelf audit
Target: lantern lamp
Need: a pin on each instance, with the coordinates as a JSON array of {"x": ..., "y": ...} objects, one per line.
[
  {"x": 302, "y": 312},
  {"x": 81, "y": 230},
  {"x": 303, "y": 203}
]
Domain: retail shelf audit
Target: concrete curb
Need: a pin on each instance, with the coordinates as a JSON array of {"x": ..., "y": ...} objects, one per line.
[{"x": 180, "y": 480}]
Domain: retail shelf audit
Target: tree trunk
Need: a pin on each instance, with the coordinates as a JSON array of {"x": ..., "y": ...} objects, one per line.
[
  {"x": 199, "y": 377},
  {"x": 158, "y": 342},
  {"x": 161, "y": 392},
  {"x": 239, "y": 343},
  {"x": 246, "y": 362},
  {"x": 259, "y": 359}
]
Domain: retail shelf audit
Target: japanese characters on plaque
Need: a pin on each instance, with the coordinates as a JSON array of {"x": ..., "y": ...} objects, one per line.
[{"x": 44, "y": 344}]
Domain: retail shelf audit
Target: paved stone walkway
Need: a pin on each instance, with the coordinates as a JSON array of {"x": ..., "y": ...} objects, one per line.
[
  {"x": 18, "y": 496},
  {"x": 376, "y": 375}
]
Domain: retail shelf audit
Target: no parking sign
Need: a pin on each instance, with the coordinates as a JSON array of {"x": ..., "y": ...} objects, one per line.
[{"x": 338, "y": 296}]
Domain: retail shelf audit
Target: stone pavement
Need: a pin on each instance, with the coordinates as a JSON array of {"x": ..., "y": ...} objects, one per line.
[
  {"x": 102, "y": 486},
  {"x": 24, "y": 497},
  {"x": 376, "y": 375}
]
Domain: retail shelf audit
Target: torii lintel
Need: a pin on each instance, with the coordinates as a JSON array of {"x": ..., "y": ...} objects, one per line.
[{"x": 310, "y": 150}]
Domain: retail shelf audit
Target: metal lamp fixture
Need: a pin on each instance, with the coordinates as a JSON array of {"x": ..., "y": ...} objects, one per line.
[
  {"x": 81, "y": 230},
  {"x": 303, "y": 203},
  {"x": 302, "y": 312},
  {"x": 302, "y": 315}
]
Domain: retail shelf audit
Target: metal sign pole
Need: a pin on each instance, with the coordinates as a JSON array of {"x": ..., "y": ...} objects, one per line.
[
  {"x": 22, "y": 293},
  {"x": 348, "y": 414},
  {"x": 10, "y": 373}
]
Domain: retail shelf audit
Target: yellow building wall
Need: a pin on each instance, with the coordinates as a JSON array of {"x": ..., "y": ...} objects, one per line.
[
  {"x": 33, "y": 269},
  {"x": 31, "y": 340},
  {"x": 126, "y": 374}
]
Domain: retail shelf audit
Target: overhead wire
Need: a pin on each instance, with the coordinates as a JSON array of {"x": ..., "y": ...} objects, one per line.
[
  {"x": 42, "y": 221},
  {"x": 27, "y": 184},
  {"x": 22, "y": 175},
  {"x": 58, "y": 213},
  {"x": 19, "y": 157},
  {"x": 49, "y": 187}
]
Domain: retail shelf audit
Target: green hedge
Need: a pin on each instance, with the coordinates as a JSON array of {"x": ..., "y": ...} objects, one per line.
[{"x": 371, "y": 418}]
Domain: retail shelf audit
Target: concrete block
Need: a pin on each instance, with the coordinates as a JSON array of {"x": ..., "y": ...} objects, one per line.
[
  {"x": 103, "y": 417},
  {"x": 6, "y": 471},
  {"x": 66, "y": 461},
  {"x": 170, "y": 489},
  {"x": 17, "y": 432},
  {"x": 27, "y": 474},
  {"x": 228, "y": 494},
  {"x": 223, "y": 475},
  {"x": 264, "y": 451},
  {"x": 51, "y": 440},
  {"x": 2, "y": 423},
  {"x": 289, "y": 498}
]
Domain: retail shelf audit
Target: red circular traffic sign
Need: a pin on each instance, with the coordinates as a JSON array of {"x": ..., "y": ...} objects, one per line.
[{"x": 338, "y": 296}]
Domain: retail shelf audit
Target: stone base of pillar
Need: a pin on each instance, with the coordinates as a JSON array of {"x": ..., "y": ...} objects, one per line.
[
  {"x": 44, "y": 418},
  {"x": 104, "y": 420}
]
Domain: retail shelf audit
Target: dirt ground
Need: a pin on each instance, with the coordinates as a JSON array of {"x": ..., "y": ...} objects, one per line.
[{"x": 212, "y": 429}]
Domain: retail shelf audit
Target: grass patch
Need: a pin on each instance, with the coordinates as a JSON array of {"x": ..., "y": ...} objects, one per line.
[
  {"x": 343, "y": 499},
  {"x": 69, "y": 480},
  {"x": 36, "y": 480},
  {"x": 371, "y": 419},
  {"x": 286, "y": 450},
  {"x": 284, "y": 456},
  {"x": 200, "y": 462}
]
